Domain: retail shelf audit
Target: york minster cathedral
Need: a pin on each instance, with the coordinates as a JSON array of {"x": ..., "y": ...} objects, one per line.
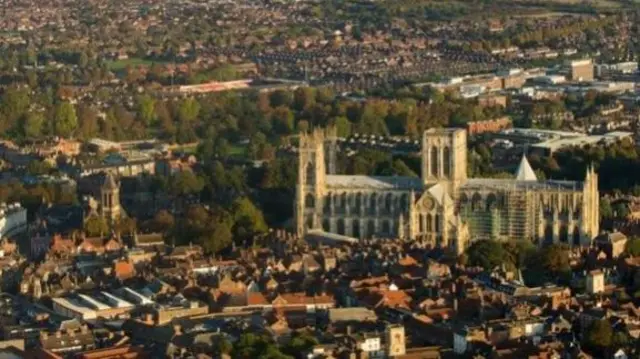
[{"x": 444, "y": 207}]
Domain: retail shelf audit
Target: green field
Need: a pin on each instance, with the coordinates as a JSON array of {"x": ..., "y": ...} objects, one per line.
[
  {"x": 238, "y": 150},
  {"x": 117, "y": 65}
]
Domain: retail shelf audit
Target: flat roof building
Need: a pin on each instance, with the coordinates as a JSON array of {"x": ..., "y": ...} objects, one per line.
[
  {"x": 87, "y": 307},
  {"x": 581, "y": 70}
]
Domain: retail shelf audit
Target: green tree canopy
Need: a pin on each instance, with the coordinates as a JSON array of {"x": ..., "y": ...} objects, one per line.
[
  {"x": 188, "y": 110},
  {"x": 487, "y": 254},
  {"x": 96, "y": 226},
  {"x": 552, "y": 259},
  {"x": 600, "y": 335},
  {"x": 249, "y": 220},
  {"x": 299, "y": 344},
  {"x": 252, "y": 346},
  {"x": 146, "y": 109},
  {"x": 33, "y": 124},
  {"x": 163, "y": 222},
  {"x": 65, "y": 120},
  {"x": 185, "y": 183},
  {"x": 633, "y": 247}
]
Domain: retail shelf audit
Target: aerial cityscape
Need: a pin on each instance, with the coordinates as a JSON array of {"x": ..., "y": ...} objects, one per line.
[{"x": 338, "y": 179}]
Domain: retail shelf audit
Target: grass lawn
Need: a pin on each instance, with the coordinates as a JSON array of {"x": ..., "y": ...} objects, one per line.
[
  {"x": 117, "y": 65},
  {"x": 238, "y": 150}
]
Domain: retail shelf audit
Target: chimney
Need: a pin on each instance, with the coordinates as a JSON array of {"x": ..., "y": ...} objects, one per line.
[
  {"x": 349, "y": 329},
  {"x": 455, "y": 305}
]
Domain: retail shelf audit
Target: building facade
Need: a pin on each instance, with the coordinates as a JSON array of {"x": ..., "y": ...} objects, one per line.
[
  {"x": 443, "y": 207},
  {"x": 581, "y": 70}
]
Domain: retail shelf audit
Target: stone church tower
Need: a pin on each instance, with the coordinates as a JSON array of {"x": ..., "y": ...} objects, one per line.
[
  {"x": 444, "y": 158},
  {"x": 312, "y": 171},
  {"x": 110, "y": 198}
]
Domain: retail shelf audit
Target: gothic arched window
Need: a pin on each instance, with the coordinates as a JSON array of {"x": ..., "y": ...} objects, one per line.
[
  {"x": 311, "y": 174},
  {"x": 388, "y": 202},
  {"x": 341, "y": 226},
  {"x": 373, "y": 201},
  {"x": 309, "y": 201},
  {"x": 371, "y": 228},
  {"x": 446, "y": 161},
  {"x": 326, "y": 226},
  {"x": 476, "y": 202},
  {"x": 548, "y": 234},
  {"x": 564, "y": 234},
  {"x": 355, "y": 228},
  {"x": 491, "y": 201},
  {"x": 434, "y": 161},
  {"x": 576, "y": 236},
  {"x": 386, "y": 227}
]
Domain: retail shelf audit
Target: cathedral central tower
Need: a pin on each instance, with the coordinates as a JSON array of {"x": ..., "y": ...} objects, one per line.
[{"x": 444, "y": 158}]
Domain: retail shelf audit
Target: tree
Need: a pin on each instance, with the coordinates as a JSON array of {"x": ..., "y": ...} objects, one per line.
[
  {"x": 218, "y": 236},
  {"x": 33, "y": 124},
  {"x": 520, "y": 252},
  {"x": 146, "y": 109},
  {"x": 251, "y": 346},
  {"x": 343, "y": 126},
  {"x": 89, "y": 126},
  {"x": 65, "y": 120},
  {"x": 300, "y": 344},
  {"x": 620, "y": 339},
  {"x": 282, "y": 118},
  {"x": 600, "y": 335},
  {"x": 487, "y": 254},
  {"x": 620, "y": 210},
  {"x": 281, "y": 98},
  {"x": 555, "y": 258},
  {"x": 83, "y": 60},
  {"x": 188, "y": 110},
  {"x": 185, "y": 183},
  {"x": 126, "y": 225},
  {"x": 605, "y": 208},
  {"x": 303, "y": 98},
  {"x": 633, "y": 247},
  {"x": 256, "y": 145},
  {"x": 249, "y": 220},
  {"x": 196, "y": 226},
  {"x": 221, "y": 346},
  {"x": 222, "y": 147},
  {"x": 163, "y": 222},
  {"x": 224, "y": 73},
  {"x": 96, "y": 226}
]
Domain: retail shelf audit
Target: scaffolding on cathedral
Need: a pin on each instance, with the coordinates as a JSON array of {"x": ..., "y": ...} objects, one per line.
[{"x": 509, "y": 214}]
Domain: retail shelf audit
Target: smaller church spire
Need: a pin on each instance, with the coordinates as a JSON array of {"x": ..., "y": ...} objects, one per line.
[{"x": 525, "y": 172}]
